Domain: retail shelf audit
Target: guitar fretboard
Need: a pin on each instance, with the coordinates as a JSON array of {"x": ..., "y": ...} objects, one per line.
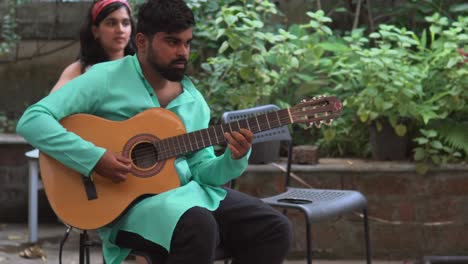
[{"x": 186, "y": 143}]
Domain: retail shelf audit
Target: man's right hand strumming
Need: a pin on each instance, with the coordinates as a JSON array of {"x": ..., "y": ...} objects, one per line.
[{"x": 113, "y": 166}]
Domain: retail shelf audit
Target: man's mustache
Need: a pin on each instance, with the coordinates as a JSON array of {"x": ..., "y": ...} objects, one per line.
[{"x": 178, "y": 61}]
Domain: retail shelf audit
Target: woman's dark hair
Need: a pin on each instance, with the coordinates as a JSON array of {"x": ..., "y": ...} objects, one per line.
[
  {"x": 170, "y": 16},
  {"x": 91, "y": 51}
]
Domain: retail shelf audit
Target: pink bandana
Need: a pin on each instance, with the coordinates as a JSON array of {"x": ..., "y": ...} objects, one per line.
[{"x": 99, "y": 6}]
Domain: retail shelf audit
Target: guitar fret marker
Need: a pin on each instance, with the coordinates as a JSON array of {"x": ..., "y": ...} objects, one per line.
[
  {"x": 216, "y": 129},
  {"x": 201, "y": 136},
  {"x": 278, "y": 117},
  {"x": 193, "y": 141},
  {"x": 222, "y": 129},
  {"x": 258, "y": 124},
  {"x": 216, "y": 137},
  {"x": 268, "y": 122},
  {"x": 208, "y": 136},
  {"x": 196, "y": 141},
  {"x": 171, "y": 144},
  {"x": 290, "y": 116},
  {"x": 185, "y": 145},
  {"x": 190, "y": 143},
  {"x": 178, "y": 144}
]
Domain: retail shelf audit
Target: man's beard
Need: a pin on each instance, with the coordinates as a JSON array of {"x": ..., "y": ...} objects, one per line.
[{"x": 168, "y": 72}]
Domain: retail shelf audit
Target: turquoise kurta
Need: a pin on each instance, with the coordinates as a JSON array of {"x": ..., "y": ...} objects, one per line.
[{"x": 117, "y": 90}]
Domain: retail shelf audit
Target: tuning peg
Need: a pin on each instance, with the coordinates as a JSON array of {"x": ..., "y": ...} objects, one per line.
[
  {"x": 318, "y": 125},
  {"x": 328, "y": 122}
]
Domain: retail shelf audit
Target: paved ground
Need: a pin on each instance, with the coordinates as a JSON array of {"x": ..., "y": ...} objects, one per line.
[{"x": 14, "y": 237}]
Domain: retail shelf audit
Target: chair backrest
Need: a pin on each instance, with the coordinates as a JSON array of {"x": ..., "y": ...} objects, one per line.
[
  {"x": 274, "y": 134},
  {"x": 279, "y": 133}
]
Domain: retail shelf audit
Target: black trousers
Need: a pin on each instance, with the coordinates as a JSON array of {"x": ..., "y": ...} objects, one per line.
[{"x": 252, "y": 231}]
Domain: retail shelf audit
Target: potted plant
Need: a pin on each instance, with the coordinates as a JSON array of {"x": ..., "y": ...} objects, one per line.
[
  {"x": 404, "y": 82},
  {"x": 383, "y": 86}
]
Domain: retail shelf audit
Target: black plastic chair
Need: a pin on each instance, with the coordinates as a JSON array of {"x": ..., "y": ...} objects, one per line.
[{"x": 316, "y": 204}]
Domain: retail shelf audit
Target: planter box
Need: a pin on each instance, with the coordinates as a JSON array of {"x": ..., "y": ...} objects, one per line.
[{"x": 411, "y": 215}]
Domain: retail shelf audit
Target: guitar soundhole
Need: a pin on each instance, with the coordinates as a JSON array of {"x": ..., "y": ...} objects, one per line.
[{"x": 144, "y": 155}]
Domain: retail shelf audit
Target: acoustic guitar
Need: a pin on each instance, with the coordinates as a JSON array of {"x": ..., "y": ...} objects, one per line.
[{"x": 152, "y": 139}]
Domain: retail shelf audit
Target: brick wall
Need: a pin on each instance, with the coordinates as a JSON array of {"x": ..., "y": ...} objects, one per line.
[
  {"x": 411, "y": 215},
  {"x": 14, "y": 182}
]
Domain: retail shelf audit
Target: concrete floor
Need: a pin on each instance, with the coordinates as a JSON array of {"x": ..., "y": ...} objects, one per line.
[{"x": 14, "y": 239}]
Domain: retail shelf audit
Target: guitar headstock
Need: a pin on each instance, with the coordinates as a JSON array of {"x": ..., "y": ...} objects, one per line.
[{"x": 317, "y": 111}]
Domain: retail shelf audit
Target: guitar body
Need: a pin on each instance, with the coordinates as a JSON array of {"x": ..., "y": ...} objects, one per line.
[{"x": 65, "y": 188}]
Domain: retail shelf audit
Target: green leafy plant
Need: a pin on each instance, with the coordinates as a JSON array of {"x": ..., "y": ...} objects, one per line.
[
  {"x": 345, "y": 137},
  {"x": 8, "y": 29},
  {"x": 443, "y": 139},
  {"x": 431, "y": 150},
  {"x": 413, "y": 81},
  {"x": 258, "y": 64},
  {"x": 453, "y": 133},
  {"x": 409, "y": 78},
  {"x": 8, "y": 122},
  {"x": 383, "y": 80},
  {"x": 413, "y": 13}
]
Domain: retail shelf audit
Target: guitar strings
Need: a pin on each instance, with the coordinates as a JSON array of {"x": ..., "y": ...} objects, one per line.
[
  {"x": 166, "y": 152},
  {"x": 173, "y": 148},
  {"x": 176, "y": 148},
  {"x": 158, "y": 151}
]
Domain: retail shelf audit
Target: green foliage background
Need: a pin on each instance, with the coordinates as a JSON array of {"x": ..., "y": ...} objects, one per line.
[
  {"x": 250, "y": 57},
  {"x": 405, "y": 63}
]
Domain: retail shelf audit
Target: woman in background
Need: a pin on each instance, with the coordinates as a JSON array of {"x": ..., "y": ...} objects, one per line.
[{"x": 107, "y": 34}]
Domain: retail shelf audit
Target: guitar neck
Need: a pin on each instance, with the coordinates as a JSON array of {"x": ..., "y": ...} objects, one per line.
[{"x": 214, "y": 135}]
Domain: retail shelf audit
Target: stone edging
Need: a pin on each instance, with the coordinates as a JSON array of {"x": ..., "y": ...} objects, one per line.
[
  {"x": 330, "y": 165},
  {"x": 354, "y": 165},
  {"x": 12, "y": 139}
]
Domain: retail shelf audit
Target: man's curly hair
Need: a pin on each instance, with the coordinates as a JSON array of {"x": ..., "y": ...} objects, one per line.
[{"x": 170, "y": 16}]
